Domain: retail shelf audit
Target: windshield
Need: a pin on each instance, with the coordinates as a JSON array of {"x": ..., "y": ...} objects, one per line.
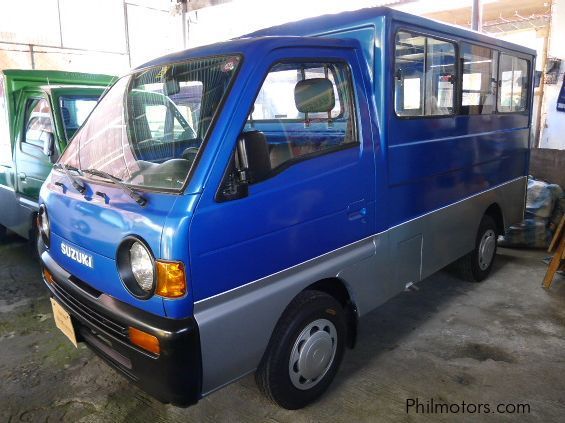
[
  {"x": 149, "y": 127},
  {"x": 74, "y": 111}
]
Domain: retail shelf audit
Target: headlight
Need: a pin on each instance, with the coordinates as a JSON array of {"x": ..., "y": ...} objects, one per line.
[
  {"x": 142, "y": 266},
  {"x": 144, "y": 276},
  {"x": 136, "y": 267},
  {"x": 43, "y": 224}
]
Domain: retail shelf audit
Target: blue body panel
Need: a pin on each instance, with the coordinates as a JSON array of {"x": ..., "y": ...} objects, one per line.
[
  {"x": 400, "y": 169},
  {"x": 103, "y": 276},
  {"x": 96, "y": 227},
  {"x": 434, "y": 161}
]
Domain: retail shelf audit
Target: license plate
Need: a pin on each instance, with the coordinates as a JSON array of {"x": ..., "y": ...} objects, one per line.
[{"x": 63, "y": 321}]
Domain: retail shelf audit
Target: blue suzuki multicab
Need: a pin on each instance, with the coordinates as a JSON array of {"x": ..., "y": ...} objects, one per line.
[{"x": 237, "y": 207}]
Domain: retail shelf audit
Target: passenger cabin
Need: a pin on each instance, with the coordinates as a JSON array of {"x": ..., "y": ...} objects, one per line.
[{"x": 463, "y": 91}]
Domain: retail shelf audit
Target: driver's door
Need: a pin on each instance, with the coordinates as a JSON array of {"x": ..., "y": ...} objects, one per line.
[
  {"x": 317, "y": 196},
  {"x": 320, "y": 192},
  {"x": 33, "y": 165}
]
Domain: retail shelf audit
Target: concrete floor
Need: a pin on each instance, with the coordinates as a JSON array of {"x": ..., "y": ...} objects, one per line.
[{"x": 501, "y": 341}]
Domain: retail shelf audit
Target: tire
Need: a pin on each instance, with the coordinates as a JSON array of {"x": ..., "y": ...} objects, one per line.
[
  {"x": 34, "y": 242},
  {"x": 3, "y": 234},
  {"x": 476, "y": 266},
  {"x": 316, "y": 321}
]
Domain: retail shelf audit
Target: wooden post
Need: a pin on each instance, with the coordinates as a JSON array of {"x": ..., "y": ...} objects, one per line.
[{"x": 558, "y": 260}]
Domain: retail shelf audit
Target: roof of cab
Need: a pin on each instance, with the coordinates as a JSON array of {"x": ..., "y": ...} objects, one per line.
[
  {"x": 57, "y": 89},
  {"x": 58, "y": 77},
  {"x": 258, "y": 46},
  {"x": 323, "y": 24}
]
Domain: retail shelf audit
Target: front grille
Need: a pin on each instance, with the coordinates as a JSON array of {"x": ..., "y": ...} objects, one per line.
[{"x": 90, "y": 315}]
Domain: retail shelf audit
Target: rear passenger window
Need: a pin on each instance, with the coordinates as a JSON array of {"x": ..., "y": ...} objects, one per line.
[
  {"x": 304, "y": 109},
  {"x": 513, "y": 77},
  {"x": 478, "y": 82},
  {"x": 424, "y": 75}
]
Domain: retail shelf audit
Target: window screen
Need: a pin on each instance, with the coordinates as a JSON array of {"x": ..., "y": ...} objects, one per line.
[
  {"x": 513, "y": 83},
  {"x": 150, "y": 126},
  {"x": 478, "y": 82},
  {"x": 424, "y": 75}
]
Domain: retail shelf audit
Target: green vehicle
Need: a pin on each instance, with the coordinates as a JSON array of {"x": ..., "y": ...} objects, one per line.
[{"x": 39, "y": 113}]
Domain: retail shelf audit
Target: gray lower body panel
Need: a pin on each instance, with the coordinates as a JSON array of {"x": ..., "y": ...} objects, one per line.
[
  {"x": 16, "y": 212},
  {"x": 236, "y": 326}
]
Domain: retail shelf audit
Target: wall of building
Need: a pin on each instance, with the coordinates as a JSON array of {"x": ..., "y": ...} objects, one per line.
[
  {"x": 239, "y": 17},
  {"x": 552, "y": 121},
  {"x": 84, "y": 35}
]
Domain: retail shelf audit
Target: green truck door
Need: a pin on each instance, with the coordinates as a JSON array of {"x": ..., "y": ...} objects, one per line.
[
  {"x": 32, "y": 164},
  {"x": 7, "y": 167}
]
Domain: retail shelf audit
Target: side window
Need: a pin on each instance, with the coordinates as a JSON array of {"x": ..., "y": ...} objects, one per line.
[
  {"x": 304, "y": 109},
  {"x": 513, "y": 85},
  {"x": 37, "y": 122},
  {"x": 5, "y": 143},
  {"x": 281, "y": 81},
  {"x": 424, "y": 75},
  {"x": 478, "y": 81}
]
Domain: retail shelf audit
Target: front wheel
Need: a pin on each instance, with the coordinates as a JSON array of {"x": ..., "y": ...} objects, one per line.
[
  {"x": 305, "y": 351},
  {"x": 476, "y": 265}
]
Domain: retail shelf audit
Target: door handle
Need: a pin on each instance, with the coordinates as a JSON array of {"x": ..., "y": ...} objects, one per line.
[
  {"x": 359, "y": 214},
  {"x": 357, "y": 210},
  {"x": 22, "y": 176}
]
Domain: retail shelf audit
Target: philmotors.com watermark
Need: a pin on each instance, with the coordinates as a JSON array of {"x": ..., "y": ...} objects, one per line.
[{"x": 431, "y": 406}]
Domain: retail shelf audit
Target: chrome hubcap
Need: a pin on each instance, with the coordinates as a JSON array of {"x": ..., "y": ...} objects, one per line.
[
  {"x": 313, "y": 354},
  {"x": 486, "y": 249}
]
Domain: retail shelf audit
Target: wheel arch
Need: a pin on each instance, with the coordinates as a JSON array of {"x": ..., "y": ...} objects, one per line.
[
  {"x": 337, "y": 288},
  {"x": 495, "y": 212}
]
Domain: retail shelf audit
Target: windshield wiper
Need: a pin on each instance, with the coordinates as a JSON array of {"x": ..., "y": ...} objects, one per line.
[
  {"x": 126, "y": 188},
  {"x": 67, "y": 169}
]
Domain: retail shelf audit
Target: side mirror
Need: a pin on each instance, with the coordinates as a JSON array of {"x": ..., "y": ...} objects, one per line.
[
  {"x": 234, "y": 185},
  {"x": 253, "y": 156},
  {"x": 232, "y": 188},
  {"x": 249, "y": 164},
  {"x": 48, "y": 140}
]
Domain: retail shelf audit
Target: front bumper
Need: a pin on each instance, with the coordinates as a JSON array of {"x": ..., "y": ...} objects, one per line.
[{"x": 174, "y": 376}]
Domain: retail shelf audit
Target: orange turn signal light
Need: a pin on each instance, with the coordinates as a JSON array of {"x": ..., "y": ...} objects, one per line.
[
  {"x": 48, "y": 276},
  {"x": 144, "y": 340},
  {"x": 171, "y": 279}
]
